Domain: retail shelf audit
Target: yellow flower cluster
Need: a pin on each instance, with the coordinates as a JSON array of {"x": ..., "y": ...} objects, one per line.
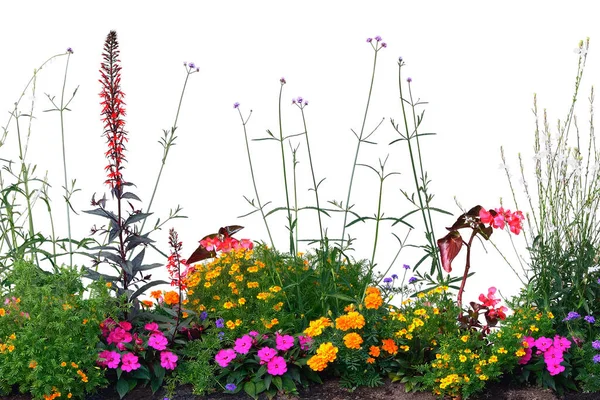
[
  {"x": 352, "y": 320},
  {"x": 316, "y": 327},
  {"x": 326, "y": 353}
]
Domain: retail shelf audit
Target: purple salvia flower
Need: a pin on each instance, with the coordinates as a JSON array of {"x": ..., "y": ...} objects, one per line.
[
  {"x": 192, "y": 65},
  {"x": 384, "y": 44},
  {"x": 230, "y": 387},
  {"x": 387, "y": 280},
  {"x": 220, "y": 323},
  {"x": 203, "y": 315},
  {"x": 571, "y": 315},
  {"x": 394, "y": 276},
  {"x": 299, "y": 99},
  {"x": 596, "y": 359}
]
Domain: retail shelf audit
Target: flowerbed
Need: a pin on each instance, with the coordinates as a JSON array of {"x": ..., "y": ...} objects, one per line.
[{"x": 243, "y": 316}]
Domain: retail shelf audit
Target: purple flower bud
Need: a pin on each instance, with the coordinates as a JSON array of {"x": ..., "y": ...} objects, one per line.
[
  {"x": 369, "y": 40},
  {"x": 299, "y": 99},
  {"x": 220, "y": 323},
  {"x": 230, "y": 387},
  {"x": 197, "y": 69},
  {"x": 236, "y": 104},
  {"x": 378, "y": 38},
  {"x": 192, "y": 65},
  {"x": 185, "y": 63},
  {"x": 384, "y": 44},
  {"x": 409, "y": 79},
  {"x": 589, "y": 319},
  {"x": 406, "y": 266},
  {"x": 69, "y": 50},
  {"x": 305, "y": 102},
  {"x": 282, "y": 80},
  {"x": 412, "y": 279},
  {"x": 387, "y": 280},
  {"x": 394, "y": 276},
  {"x": 293, "y": 101},
  {"x": 596, "y": 344},
  {"x": 203, "y": 315},
  {"x": 400, "y": 59}
]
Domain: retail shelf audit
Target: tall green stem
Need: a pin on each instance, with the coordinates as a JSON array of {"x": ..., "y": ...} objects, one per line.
[
  {"x": 64, "y": 157},
  {"x": 312, "y": 170},
  {"x": 287, "y": 196}
]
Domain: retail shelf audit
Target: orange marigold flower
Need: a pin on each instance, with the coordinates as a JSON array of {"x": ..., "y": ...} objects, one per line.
[
  {"x": 147, "y": 303},
  {"x": 2, "y": 312},
  {"x": 156, "y": 294},
  {"x": 373, "y": 290},
  {"x": 373, "y": 301},
  {"x": 353, "y": 340},
  {"x": 33, "y": 364},
  {"x": 171, "y": 298},
  {"x": 374, "y": 351},
  {"x": 370, "y": 360},
  {"x": 390, "y": 346}
]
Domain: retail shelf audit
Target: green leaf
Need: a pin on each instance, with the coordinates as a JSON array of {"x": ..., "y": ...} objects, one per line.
[
  {"x": 278, "y": 383},
  {"x": 250, "y": 389},
  {"x": 260, "y": 387},
  {"x": 146, "y": 287},
  {"x": 122, "y": 387},
  {"x": 289, "y": 385}
]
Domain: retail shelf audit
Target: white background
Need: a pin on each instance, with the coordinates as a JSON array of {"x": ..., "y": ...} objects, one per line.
[{"x": 477, "y": 64}]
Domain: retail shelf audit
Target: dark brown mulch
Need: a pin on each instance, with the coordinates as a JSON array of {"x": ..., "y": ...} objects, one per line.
[{"x": 330, "y": 390}]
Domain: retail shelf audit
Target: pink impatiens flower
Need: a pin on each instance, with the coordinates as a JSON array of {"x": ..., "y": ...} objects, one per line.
[
  {"x": 284, "y": 342},
  {"x": 125, "y": 325},
  {"x": 553, "y": 355},
  {"x": 168, "y": 360},
  {"x": 543, "y": 343},
  {"x": 110, "y": 359},
  {"x": 152, "y": 327},
  {"x": 224, "y": 357},
  {"x": 277, "y": 366},
  {"x": 158, "y": 341},
  {"x": 266, "y": 354},
  {"x": 561, "y": 343},
  {"x": 130, "y": 362},
  {"x": 525, "y": 359},
  {"x": 119, "y": 335},
  {"x": 243, "y": 344},
  {"x": 305, "y": 342}
]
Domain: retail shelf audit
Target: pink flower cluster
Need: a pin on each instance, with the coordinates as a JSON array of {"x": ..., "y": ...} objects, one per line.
[
  {"x": 276, "y": 364},
  {"x": 552, "y": 349},
  {"x": 118, "y": 334},
  {"x": 227, "y": 244},
  {"x": 499, "y": 217},
  {"x": 490, "y": 301}
]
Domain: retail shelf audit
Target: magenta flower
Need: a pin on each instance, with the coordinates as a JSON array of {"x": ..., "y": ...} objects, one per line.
[
  {"x": 529, "y": 340},
  {"x": 284, "y": 342},
  {"x": 561, "y": 343},
  {"x": 130, "y": 362},
  {"x": 543, "y": 343},
  {"x": 253, "y": 334},
  {"x": 168, "y": 360},
  {"x": 553, "y": 355},
  {"x": 243, "y": 344},
  {"x": 152, "y": 327},
  {"x": 525, "y": 359},
  {"x": 554, "y": 368},
  {"x": 305, "y": 342},
  {"x": 110, "y": 359},
  {"x": 596, "y": 344},
  {"x": 158, "y": 341},
  {"x": 266, "y": 354},
  {"x": 125, "y": 325},
  {"x": 277, "y": 366},
  {"x": 119, "y": 335},
  {"x": 224, "y": 357}
]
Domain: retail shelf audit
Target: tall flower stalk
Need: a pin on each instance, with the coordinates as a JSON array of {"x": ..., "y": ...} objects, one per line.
[{"x": 361, "y": 137}]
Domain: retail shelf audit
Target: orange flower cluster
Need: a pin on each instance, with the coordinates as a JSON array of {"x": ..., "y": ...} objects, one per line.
[
  {"x": 326, "y": 353},
  {"x": 390, "y": 346},
  {"x": 353, "y": 341},
  {"x": 316, "y": 327},
  {"x": 373, "y": 299},
  {"x": 352, "y": 320}
]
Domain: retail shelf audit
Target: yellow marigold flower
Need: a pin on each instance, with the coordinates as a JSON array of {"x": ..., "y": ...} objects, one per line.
[
  {"x": 390, "y": 346},
  {"x": 232, "y": 285},
  {"x": 349, "y": 307},
  {"x": 328, "y": 351},
  {"x": 147, "y": 303},
  {"x": 418, "y": 322},
  {"x": 260, "y": 264},
  {"x": 317, "y": 363},
  {"x": 493, "y": 359},
  {"x": 405, "y": 348},
  {"x": 411, "y": 327},
  {"x": 63, "y": 364},
  {"x": 74, "y": 365},
  {"x": 462, "y": 358},
  {"x": 353, "y": 340},
  {"x": 11, "y": 348},
  {"x": 502, "y": 350},
  {"x": 69, "y": 395},
  {"x": 373, "y": 290},
  {"x": 353, "y": 320},
  {"x": 465, "y": 338},
  {"x": 538, "y": 316},
  {"x": 434, "y": 342},
  {"x": 263, "y": 295},
  {"x": 207, "y": 284},
  {"x": 108, "y": 284},
  {"x": 275, "y": 289},
  {"x": 171, "y": 298},
  {"x": 373, "y": 301},
  {"x": 33, "y": 364},
  {"x": 216, "y": 297},
  {"x": 228, "y": 304},
  {"x": 483, "y": 377},
  {"x": 252, "y": 269},
  {"x": 421, "y": 295},
  {"x": 12, "y": 336},
  {"x": 252, "y": 285},
  {"x": 241, "y": 301},
  {"x": 239, "y": 278},
  {"x": 408, "y": 336},
  {"x": 374, "y": 351},
  {"x": 234, "y": 268},
  {"x": 2, "y": 312},
  {"x": 436, "y": 311},
  {"x": 550, "y": 315},
  {"x": 420, "y": 311},
  {"x": 230, "y": 324},
  {"x": 277, "y": 307},
  {"x": 520, "y": 352},
  {"x": 238, "y": 322},
  {"x": 533, "y": 328}
]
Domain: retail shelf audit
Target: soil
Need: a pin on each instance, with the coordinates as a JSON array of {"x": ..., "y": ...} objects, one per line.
[{"x": 330, "y": 390}]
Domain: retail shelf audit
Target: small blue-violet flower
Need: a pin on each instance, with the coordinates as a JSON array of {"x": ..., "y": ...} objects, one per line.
[
  {"x": 596, "y": 359},
  {"x": 596, "y": 344},
  {"x": 590, "y": 319},
  {"x": 412, "y": 279},
  {"x": 394, "y": 276},
  {"x": 571, "y": 315},
  {"x": 220, "y": 323},
  {"x": 369, "y": 40},
  {"x": 378, "y": 38},
  {"x": 230, "y": 386},
  {"x": 236, "y": 104},
  {"x": 387, "y": 280},
  {"x": 203, "y": 315},
  {"x": 406, "y": 266},
  {"x": 69, "y": 50}
]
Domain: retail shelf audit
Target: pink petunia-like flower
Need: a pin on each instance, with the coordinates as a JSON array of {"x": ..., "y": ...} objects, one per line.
[
  {"x": 253, "y": 334},
  {"x": 224, "y": 357},
  {"x": 158, "y": 341},
  {"x": 555, "y": 368},
  {"x": 553, "y": 354},
  {"x": 110, "y": 359},
  {"x": 543, "y": 343},
  {"x": 266, "y": 354},
  {"x": 284, "y": 342},
  {"x": 119, "y": 335},
  {"x": 125, "y": 325},
  {"x": 277, "y": 366},
  {"x": 168, "y": 360},
  {"x": 130, "y": 362},
  {"x": 562, "y": 343},
  {"x": 243, "y": 344}
]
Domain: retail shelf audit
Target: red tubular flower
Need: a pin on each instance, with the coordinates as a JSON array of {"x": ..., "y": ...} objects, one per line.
[{"x": 113, "y": 111}]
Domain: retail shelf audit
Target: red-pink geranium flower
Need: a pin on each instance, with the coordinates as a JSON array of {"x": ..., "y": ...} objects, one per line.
[
  {"x": 490, "y": 300},
  {"x": 158, "y": 341},
  {"x": 168, "y": 360},
  {"x": 277, "y": 366},
  {"x": 246, "y": 244},
  {"x": 110, "y": 359},
  {"x": 243, "y": 344},
  {"x": 130, "y": 362},
  {"x": 224, "y": 357},
  {"x": 284, "y": 342}
]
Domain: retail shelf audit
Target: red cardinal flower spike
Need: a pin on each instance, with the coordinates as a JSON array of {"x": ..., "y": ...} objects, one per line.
[{"x": 113, "y": 111}]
